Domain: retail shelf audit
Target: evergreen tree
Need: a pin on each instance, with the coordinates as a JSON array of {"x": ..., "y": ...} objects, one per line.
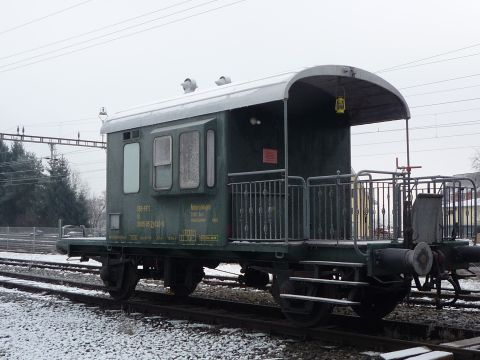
[
  {"x": 30, "y": 197},
  {"x": 61, "y": 197},
  {"x": 20, "y": 174}
]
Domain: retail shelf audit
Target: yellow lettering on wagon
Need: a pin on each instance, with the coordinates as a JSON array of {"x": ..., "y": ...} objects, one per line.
[
  {"x": 188, "y": 236},
  {"x": 198, "y": 207},
  {"x": 150, "y": 224},
  {"x": 209, "y": 238},
  {"x": 199, "y": 212},
  {"x": 144, "y": 208}
]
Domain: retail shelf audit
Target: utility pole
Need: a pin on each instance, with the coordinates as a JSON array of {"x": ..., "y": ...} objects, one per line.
[{"x": 52, "y": 151}]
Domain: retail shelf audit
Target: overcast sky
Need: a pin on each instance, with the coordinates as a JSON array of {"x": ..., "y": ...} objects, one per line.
[{"x": 60, "y": 95}]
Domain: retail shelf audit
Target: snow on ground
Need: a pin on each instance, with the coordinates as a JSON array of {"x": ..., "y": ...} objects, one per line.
[
  {"x": 53, "y": 286},
  {"x": 44, "y": 327},
  {"x": 35, "y": 326},
  {"x": 44, "y": 257}
]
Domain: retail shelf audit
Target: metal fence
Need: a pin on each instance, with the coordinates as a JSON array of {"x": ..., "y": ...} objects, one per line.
[
  {"x": 258, "y": 209},
  {"x": 341, "y": 207},
  {"x": 459, "y": 203},
  {"x": 40, "y": 240},
  {"x": 368, "y": 205}
]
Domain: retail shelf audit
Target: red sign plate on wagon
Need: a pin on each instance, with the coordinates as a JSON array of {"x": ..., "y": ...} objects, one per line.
[{"x": 270, "y": 156}]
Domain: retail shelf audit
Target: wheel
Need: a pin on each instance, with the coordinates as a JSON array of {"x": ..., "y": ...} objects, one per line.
[
  {"x": 120, "y": 280},
  {"x": 303, "y": 313},
  {"x": 375, "y": 307},
  {"x": 275, "y": 289},
  {"x": 254, "y": 278},
  {"x": 186, "y": 279},
  {"x": 436, "y": 283},
  {"x": 377, "y": 300}
]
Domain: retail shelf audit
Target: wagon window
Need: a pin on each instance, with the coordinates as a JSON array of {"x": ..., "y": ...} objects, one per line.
[
  {"x": 162, "y": 161},
  {"x": 210, "y": 158},
  {"x": 190, "y": 160},
  {"x": 114, "y": 221},
  {"x": 131, "y": 168}
]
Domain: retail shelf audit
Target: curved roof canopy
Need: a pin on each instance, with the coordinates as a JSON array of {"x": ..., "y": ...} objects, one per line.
[{"x": 369, "y": 98}]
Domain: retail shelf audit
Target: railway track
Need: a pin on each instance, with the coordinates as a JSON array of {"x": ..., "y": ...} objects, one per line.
[
  {"x": 343, "y": 329},
  {"x": 82, "y": 268},
  {"x": 95, "y": 269},
  {"x": 470, "y": 300}
]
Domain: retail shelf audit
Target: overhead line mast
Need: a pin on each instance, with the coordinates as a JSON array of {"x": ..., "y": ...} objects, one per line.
[{"x": 52, "y": 141}]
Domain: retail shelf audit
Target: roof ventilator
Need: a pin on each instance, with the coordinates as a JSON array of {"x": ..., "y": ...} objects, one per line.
[
  {"x": 189, "y": 85},
  {"x": 223, "y": 80}
]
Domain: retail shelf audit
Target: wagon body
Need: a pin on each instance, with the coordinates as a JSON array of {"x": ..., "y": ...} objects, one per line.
[{"x": 205, "y": 178}]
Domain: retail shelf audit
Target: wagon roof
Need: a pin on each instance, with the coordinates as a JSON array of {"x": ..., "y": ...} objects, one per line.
[{"x": 370, "y": 99}]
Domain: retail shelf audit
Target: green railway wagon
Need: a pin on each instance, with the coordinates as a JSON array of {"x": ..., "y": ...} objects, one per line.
[{"x": 259, "y": 174}]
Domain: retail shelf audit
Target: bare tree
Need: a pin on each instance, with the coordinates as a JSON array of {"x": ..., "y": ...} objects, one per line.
[
  {"x": 476, "y": 160},
  {"x": 96, "y": 211}
]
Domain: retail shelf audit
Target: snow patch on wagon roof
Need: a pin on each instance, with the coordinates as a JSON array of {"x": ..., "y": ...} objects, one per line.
[{"x": 384, "y": 101}]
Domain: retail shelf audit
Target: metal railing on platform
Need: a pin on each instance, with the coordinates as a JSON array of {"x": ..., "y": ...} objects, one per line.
[
  {"x": 369, "y": 205},
  {"x": 258, "y": 207},
  {"x": 459, "y": 204}
]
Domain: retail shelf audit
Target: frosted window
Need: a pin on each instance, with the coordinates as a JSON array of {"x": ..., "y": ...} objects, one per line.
[
  {"x": 210, "y": 158},
  {"x": 190, "y": 160},
  {"x": 114, "y": 221},
  {"x": 131, "y": 168},
  {"x": 162, "y": 161}
]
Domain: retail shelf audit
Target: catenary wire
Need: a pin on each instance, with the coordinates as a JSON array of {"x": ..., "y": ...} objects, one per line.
[
  {"x": 441, "y": 125},
  {"x": 115, "y": 38},
  {"x": 447, "y": 112},
  {"x": 442, "y": 91},
  {"x": 418, "y": 151},
  {"x": 95, "y": 30},
  {"x": 431, "y": 62},
  {"x": 444, "y": 103},
  {"x": 430, "y": 57},
  {"x": 418, "y": 139},
  {"x": 2, "y": 32},
  {"x": 440, "y": 81}
]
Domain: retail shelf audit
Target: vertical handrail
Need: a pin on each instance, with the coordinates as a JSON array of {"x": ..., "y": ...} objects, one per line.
[
  {"x": 368, "y": 174},
  {"x": 371, "y": 209},
  {"x": 394, "y": 208},
  {"x": 337, "y": 206},
  {"x": 285, "y": 156},
  {"x": 475, "y": 215},
  {"x": 305, "y": 206}
]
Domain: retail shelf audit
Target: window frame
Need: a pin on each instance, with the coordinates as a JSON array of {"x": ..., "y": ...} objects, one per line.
[
  {"x": 214, "y": 159},
  {"x": 175, "y": 130},
  {"x": 200, "y": 155},
  {"x": 139, "y": 167},
  {"x": 170, "y": 136},
  {"x": 119, "y": 215}
]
